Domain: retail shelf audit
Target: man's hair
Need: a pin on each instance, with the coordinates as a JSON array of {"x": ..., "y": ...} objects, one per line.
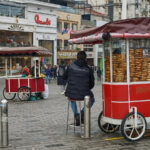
[{"x": 81, "y": 55}]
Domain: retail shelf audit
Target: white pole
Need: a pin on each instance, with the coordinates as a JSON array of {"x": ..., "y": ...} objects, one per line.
[
  {"x": 124, "y": 9},
  {"x": 10, "y": 66},
  {"x": 6, "y": 66},
  {"x": 35, "y": 68},
  {"x": 39, "y": 67},
  {"x": 111, "y": 66}
]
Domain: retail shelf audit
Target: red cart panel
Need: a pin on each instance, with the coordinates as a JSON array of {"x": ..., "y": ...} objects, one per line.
[
  {"x": 107, "y": 100},
  {"x": 119, "y": 110},
  {"x": 115, "y": 103},
  {"x": 40, "y": 84},
  {"x": 143, "y": 107},
  {"x": 119, "y": 92},
  {"x": 140, "y": 92},
  {"x": 35, "y": 84},
  {"x": 24, "y": 82},
  {"x": 11, "y": 85}
]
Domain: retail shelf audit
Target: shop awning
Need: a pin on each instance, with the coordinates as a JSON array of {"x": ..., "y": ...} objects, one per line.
[
  {"x": 29, "y": 51},
  {"x": 128, "y": 28}
]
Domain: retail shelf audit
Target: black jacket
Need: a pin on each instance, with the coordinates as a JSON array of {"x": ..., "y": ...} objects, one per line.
[{"x": 80, "y": 80}]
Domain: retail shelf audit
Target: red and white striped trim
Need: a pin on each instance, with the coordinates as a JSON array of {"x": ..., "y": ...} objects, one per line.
[{"x": 94, "y": 38}]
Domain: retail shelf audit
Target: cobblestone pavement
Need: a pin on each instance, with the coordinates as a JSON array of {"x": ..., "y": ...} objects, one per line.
[{"x": 41, "y": 125}]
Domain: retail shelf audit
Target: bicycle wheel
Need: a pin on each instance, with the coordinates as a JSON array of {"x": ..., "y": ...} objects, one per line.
[
  {"x": 8, "y": 95},
  {"x": 24, "y": 93},
  {"x": 106, "y": 127}
]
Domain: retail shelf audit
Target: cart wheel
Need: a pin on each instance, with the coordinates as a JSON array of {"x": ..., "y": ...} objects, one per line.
[
  {"x": 128, "y": 129},
  {"x": 106, "y": 127},
  {"x": 24, "y": 93},
  {"x": 7, "y": 95}
]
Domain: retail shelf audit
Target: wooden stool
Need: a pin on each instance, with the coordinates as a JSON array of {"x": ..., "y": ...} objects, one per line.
[{"x": 79, "y": 103}]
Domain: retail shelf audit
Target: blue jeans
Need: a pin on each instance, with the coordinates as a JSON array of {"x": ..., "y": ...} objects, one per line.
[
  {"x": 74, "y": 106},
  {"x": 47, "y": 79}
]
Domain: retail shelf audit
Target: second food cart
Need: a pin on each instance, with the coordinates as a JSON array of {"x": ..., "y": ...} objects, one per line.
[{"x": 23, "y": 86}]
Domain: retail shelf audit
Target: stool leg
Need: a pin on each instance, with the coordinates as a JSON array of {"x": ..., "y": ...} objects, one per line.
[
  {"x": 67, "y": 119},
  {"x": 74, "y": 116},
  {"x": 80, "y": 116}
]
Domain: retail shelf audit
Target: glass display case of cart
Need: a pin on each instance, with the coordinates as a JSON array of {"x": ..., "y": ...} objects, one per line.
[
  {"x": 119, "y": 65},
  {"x": 18, "y": 63},
  {"x": 139, "y": 55},
  {"x": 107, "y": 61},
  {"x": 115, "y": 54}
]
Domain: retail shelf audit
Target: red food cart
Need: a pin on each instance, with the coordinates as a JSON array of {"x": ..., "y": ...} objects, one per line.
[
  {"x": 126, "y": 78},
  {"x": 23, "y": 86}
]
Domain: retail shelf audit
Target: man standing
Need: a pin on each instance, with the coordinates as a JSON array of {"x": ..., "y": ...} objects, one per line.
[
  {"x": 60, "y": 76},
  {"x": 80, "y": 81}
]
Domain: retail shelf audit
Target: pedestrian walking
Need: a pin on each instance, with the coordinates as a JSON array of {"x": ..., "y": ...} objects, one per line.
[
  {"x": 52, "y": 72},
  {"x": 55, "y": 72},
  {"x": 60, "y": 76},
  {"x": 80, "y": 81},
  {"x": 47, "y": 74},
  {"x": 99, "y": 73}
]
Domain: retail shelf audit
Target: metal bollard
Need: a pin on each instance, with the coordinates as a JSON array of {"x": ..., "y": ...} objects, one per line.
[
  {"x": 87, "y": 118},
  {"x": 4, "y": 123}
]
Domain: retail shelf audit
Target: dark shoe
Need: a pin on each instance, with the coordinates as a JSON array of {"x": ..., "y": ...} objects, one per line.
[
  {"x": 82, "y": 117},
  {"x": 77, "y": 120}
]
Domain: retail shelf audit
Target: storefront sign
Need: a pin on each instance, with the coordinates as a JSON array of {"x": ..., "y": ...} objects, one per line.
[
  {"x": 66, "y": 55},
  {"x": 16, "y": 27},
  {"x": 38, "y": 21}
]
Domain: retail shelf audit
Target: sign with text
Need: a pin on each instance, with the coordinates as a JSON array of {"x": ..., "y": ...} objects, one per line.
[
  {"x": 66, "y": 55},
  {"x": 38, "y": 21}
]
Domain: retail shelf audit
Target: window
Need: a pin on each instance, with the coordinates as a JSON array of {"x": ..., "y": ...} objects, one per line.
[
  {"x": 59, "y": 44},
  {"x": 15, "y": 39},
  {"x": 59, "y": 27},
  {"x": 119, "y": 15},
  {"x": 12, "y": 11},
  {"x": 74, "y": 46},
  {"x": 49, "y": 45},
  {"x": 66, "y": 25},
  {"x": 100, "y": 54},
  {"x": 88, "y": 47},
  {"x": 74, "y": 27},
  {"x": 66, "y": 44}
]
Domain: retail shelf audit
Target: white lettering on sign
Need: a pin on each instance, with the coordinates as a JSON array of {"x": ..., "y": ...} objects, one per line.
[{"x": 67, "y": 54}]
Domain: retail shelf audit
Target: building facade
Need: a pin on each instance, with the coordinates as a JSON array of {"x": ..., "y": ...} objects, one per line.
[
  {"x": 67, "y": 21},
  {"x": 89, "y": 21},
  {"x": 113, "y": 8},
  {"x": 29, "y": 23},
  {"x": 135, "y": 9}
]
